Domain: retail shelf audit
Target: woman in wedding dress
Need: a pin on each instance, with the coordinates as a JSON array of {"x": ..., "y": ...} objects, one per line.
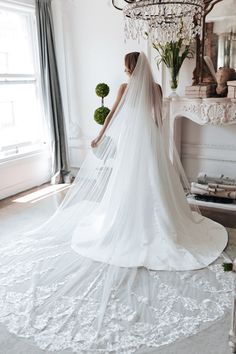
[
  {"x": 124, "y": 265},
  {"x": 143, "y": 218}
]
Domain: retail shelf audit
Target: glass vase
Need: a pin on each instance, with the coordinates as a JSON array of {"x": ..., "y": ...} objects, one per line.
[{"x": 174, "y": 81}]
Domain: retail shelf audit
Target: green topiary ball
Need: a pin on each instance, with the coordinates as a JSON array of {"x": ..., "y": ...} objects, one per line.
[
  {"x": 102, "y": 90},
  {"x": 100, "y": 114}
]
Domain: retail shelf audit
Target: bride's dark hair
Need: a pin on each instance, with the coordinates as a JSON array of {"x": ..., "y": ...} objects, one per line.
[{"x": 131, "y": 60}]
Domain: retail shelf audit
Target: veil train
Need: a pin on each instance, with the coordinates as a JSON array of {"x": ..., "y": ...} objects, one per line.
[{"x": 123, "y": 265}]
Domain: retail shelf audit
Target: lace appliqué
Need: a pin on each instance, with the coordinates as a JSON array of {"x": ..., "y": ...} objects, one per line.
[{"x": 63, "y": 300}]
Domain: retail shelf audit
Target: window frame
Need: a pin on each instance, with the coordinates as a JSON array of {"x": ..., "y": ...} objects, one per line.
[{"x": 26, "y": 148}]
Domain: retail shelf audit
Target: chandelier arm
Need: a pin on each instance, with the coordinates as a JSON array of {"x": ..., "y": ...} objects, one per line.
[
  {"x": 207, "y": 3},
  {"x": 171, "y": 3},
  {"x": 210, "y": 6},
  {"x": 120, "y": 8}
]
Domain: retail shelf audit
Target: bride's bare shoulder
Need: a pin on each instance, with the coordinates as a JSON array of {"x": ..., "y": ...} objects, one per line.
[
  {"x": 119, "y": 95},
  {"x": 123, "y": 86},
  {"x": 122, "y": 89}
]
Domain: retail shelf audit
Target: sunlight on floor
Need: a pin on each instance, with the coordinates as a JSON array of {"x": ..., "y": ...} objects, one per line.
[{"x": 42, "y": 193}]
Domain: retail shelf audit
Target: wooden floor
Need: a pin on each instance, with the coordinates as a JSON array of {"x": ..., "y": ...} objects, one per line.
[{"x": 57, "y": 192}]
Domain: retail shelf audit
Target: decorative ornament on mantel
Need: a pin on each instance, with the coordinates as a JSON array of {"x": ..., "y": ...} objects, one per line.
[{"x": 163, "y": 20}]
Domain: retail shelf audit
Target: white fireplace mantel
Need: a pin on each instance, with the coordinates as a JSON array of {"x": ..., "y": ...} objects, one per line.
[{"x": 215, "y": 111}]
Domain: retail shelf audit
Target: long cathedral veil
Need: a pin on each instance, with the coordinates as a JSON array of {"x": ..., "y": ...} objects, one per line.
[
  {"x": 139, "y": 111},
  {"x": 67, "y": 287}
]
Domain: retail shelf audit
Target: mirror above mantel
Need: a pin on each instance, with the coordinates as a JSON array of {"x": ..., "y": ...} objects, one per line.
[
  {"x": 217, "y": 49},
  {"x": 221, "y": 34}
]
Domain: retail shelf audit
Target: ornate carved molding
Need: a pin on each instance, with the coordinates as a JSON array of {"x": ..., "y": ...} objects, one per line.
[
  {"x": 192, "y": 108},
  {"x": 216, "y": 111}
]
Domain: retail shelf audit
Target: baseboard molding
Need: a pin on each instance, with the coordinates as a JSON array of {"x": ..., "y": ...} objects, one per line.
[{"x": 25, "y": 173}]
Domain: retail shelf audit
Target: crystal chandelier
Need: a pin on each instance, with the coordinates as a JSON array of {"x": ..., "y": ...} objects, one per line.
[{"x": 163, "y": 20}]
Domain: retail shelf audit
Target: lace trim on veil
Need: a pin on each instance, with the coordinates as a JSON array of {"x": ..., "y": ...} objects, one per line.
[{"x": 92, "y": 307}]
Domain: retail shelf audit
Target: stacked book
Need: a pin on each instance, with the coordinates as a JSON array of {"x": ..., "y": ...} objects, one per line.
[
  {"x": 200, "y": 91},
  {"x": 218, "y": 188},
  {"x": 231, "y": 89}
]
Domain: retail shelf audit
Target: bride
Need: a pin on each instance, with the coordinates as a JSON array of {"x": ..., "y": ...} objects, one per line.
[
  {"x": 123, "y": 265},
  {"x": 142, "y": 217}
]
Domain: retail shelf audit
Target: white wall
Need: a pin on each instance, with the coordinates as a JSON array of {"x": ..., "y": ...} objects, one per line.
[{"x": 90, "y": 48}]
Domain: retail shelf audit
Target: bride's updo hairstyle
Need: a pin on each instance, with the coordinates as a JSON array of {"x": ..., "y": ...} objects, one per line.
[{"x": 131, "y": 60}]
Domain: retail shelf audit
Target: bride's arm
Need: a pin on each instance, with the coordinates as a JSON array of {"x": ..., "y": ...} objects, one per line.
[{"x": 110, "y": 115}]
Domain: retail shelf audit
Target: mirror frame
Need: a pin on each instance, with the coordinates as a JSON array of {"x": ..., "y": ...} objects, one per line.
[{"x": 198, "y": 73}]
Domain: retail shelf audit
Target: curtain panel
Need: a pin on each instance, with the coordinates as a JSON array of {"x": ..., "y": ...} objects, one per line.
[{"x": 51, "y": 92}]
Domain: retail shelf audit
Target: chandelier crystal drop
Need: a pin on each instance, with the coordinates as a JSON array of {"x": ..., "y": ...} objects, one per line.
[{"x": 163, "y": 20}]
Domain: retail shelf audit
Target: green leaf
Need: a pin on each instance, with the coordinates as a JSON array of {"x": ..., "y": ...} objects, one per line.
[
  {"x": 228, "y": 267},
  {"x": 173, "y": 54}
]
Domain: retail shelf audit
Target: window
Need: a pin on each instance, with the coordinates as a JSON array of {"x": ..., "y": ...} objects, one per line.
[{"x": 22, "y": 125}]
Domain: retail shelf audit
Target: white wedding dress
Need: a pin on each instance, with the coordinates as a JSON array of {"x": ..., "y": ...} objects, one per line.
[{"x": 123, "y": 266}]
